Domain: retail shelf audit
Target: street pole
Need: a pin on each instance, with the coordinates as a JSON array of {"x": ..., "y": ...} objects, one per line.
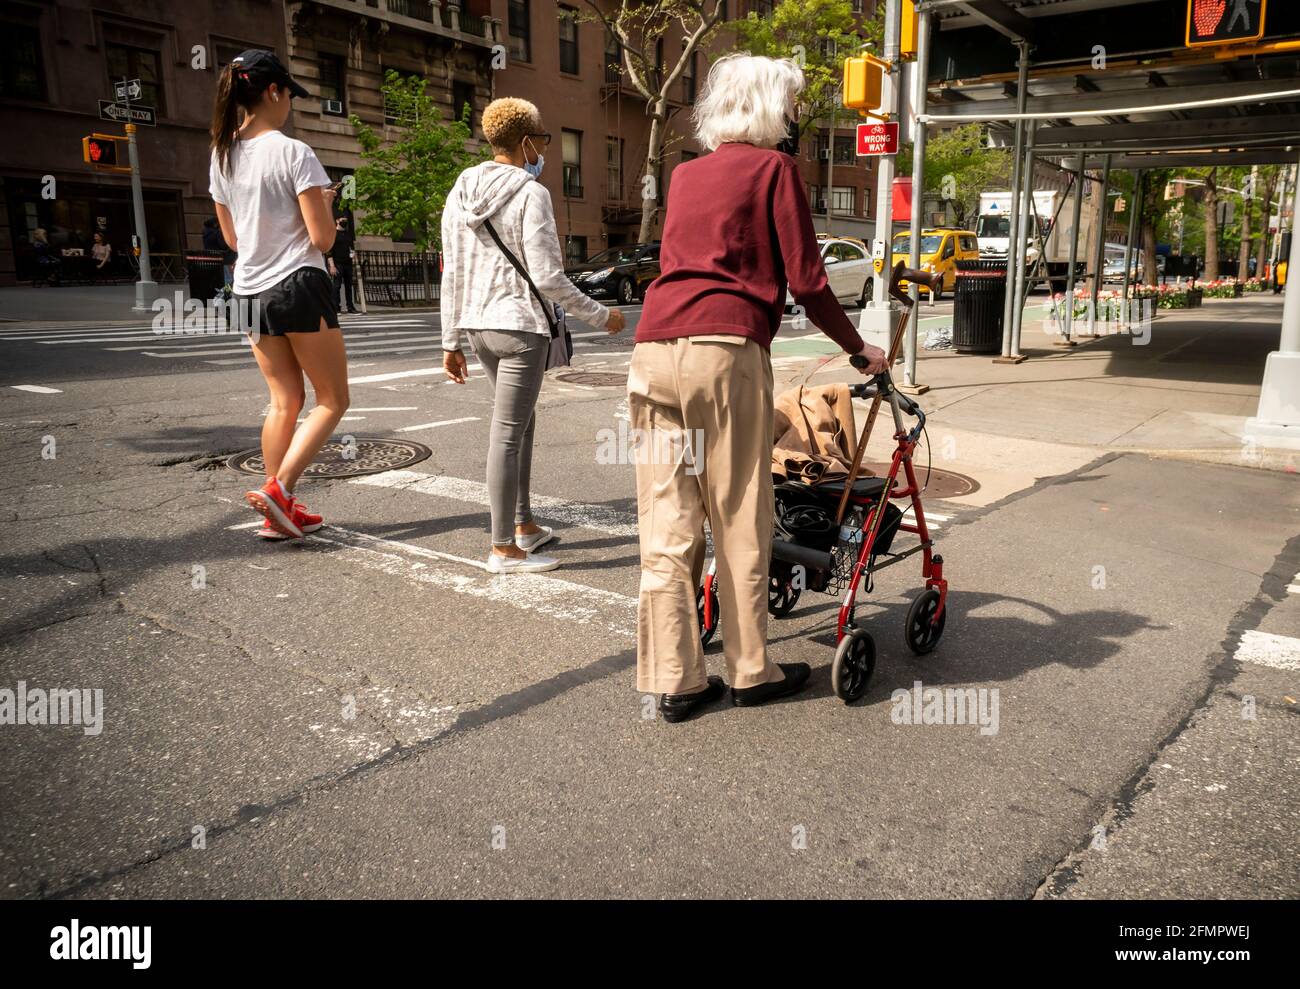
[
  {"x": 1014, "y": 238},
  {"x": 830, "y": 174},
  {"x": 1128, "y": 248},
  {"x": 922, "y": 70},
  {"x": 1099, "y": 256},
  {"x": 1074, "y": 252},
  {"x": 885, "y": 172},
  {"x": 1277, "y": 423},
  {"x": 1022, "y": 279},
  {"x": 146, "y": 289}
]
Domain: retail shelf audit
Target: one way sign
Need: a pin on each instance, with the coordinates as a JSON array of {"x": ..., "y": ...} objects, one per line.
[
  {"x": 124, "y": 112},
  {"x": 127, "y": 89}
]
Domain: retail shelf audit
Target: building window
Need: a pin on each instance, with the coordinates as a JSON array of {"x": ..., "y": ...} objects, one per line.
[
  {"x": 520, "y": 28},
  {"x": 575, "y": 250},
  {"x": 614, "y": 169},
  {"x": 332, "y": 83},
  {"x": 572, "y": 141},
  {"x": 22, "y": 74},
  {"x": 843, "y": 200},
  {"x": 125, "y": 62},
  {"x": 462, "y": 95},
  {"x": 613, "y": 59},
  {"x": 846, "y": 150},
  {"x": 688, "y": 78},
  {"x": 569, "y": 40}
]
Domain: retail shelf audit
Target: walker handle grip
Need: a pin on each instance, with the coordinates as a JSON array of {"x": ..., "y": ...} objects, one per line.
[{"x": 913, "y": 275}]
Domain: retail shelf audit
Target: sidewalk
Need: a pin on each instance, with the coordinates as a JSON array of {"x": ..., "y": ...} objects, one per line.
[{"x": 1186, "y": 393}]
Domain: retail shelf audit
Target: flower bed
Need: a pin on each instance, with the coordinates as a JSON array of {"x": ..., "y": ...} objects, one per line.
[
  {"x": 1256, "y": 285},
  {"x": 1220, "y": 288}
]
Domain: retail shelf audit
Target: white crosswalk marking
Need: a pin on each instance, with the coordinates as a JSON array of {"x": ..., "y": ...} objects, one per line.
[{"x": 1281, "y": 652}]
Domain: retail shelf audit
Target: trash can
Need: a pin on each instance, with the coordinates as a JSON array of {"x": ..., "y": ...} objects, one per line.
[
  {"x": 205, "y": 274},
  {"x": 978, "y": 301}
]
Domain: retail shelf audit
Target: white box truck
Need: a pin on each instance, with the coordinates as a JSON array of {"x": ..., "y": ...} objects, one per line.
[{"x": 1051, "y": 237}]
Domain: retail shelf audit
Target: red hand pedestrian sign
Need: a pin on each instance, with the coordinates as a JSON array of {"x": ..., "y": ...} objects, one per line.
[
  {"x": 1224, "y": 22},
  {"x": 878, "y": 139}
]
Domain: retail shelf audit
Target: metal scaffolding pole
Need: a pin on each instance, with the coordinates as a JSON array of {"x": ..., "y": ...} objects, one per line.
[
  {"x": 1074, "y": 252},
  {"x": 1099, "y": 256},
  {"x": 1014, "y": 238},
  {"x": 918, "y": 199},
  {"x": 1128, "y": 248},
  {"x": 1022, "y": 279}
]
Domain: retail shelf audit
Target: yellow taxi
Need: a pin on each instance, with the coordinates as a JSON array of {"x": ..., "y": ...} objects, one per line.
[{"x": 941, "y": 249}]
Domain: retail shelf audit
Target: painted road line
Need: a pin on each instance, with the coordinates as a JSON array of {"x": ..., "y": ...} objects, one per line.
[
  {"x": 435, "y": 425},
  {"x": 538, "y": 592},
  {"x": 388, "y": 347},
  {"x": 418, "y": 372},
  {"x": 38, "y": 389},
  {"x": 358, "y": 340},
  {"x": 1281, "y": 652},
  {"x": 599, "y": 518},
  {"x": 386, "y": 408}
]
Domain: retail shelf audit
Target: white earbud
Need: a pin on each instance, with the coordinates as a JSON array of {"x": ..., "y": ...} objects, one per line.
[{"x": 275, "y": 97}]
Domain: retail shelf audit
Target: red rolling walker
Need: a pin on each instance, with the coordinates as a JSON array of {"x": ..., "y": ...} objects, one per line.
[{"x": 862, "y": 514}]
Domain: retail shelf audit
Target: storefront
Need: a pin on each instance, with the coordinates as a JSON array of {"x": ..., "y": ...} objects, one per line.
[{"x": 74, "y": 215}]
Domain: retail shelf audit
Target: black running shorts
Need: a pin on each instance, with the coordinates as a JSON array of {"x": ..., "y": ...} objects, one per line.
[{"x": 295, "y": 305}]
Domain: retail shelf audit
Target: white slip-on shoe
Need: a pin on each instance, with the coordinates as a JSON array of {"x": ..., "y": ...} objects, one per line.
[
  {"x": 538, "y": 539},
  {"x": 529, "y": 564}
]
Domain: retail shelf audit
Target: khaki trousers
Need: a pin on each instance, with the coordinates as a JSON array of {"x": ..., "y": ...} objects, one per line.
[{"x": 714, "y": 395}]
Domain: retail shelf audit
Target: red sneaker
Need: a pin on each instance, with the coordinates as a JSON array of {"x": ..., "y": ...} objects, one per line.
[
  {"x": 271, "y": 503},
  {"x": 307, "y": 522}
]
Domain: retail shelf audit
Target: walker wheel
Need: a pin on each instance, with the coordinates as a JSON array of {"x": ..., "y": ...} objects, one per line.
[
  {"x": 782, "y": 594},
  {"x": 855, "y": 661},
  {"x": 706, "y": 631},
  {"x": 922, "y": 632}
]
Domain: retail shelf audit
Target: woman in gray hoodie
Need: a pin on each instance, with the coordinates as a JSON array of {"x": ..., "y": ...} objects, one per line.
[{"x": 484, "y": 296}]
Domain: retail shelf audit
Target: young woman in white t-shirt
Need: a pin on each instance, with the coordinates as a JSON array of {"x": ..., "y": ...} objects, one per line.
[{"x": 273, "y": 201}]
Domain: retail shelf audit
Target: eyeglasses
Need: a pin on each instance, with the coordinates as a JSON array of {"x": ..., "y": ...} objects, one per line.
[{"x": 544, "y": 138}]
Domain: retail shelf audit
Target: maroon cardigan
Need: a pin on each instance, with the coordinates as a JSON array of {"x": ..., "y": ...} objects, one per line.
[{"x": 738, "y": 230}]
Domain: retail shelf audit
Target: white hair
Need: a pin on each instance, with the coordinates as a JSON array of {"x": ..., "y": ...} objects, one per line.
[{"x": 749, "y": 99}]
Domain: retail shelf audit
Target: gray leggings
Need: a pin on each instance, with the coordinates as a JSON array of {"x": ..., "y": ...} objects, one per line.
[{"x": 515, "y": 362}]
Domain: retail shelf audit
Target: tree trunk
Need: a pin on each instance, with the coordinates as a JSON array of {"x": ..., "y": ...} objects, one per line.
[
  {"x": 1211, "y": 226},
  {"x": 1150, "y": 269},
  {"x": 1261, "y": 253},
  {"x": 1243, "y": 256},
  {"x": 650, "y": 203}
]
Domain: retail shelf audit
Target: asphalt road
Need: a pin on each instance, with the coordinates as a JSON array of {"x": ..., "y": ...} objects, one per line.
[{"x": 368, "y": 713}]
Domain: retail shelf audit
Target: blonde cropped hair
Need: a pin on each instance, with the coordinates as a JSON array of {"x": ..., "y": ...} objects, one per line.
[
  {"x": 507, "y": 121},
  {"x": 749, "y": 99}
]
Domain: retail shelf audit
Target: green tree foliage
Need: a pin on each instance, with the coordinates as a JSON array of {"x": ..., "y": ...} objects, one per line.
[
  {"x": 959, "y": 165},
  {"x": 403, "y": 185},
  {"x": 819, "y": 34}
]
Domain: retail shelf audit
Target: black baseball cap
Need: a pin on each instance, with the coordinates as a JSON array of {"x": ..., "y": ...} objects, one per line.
[{"x": 259, "y": 69}]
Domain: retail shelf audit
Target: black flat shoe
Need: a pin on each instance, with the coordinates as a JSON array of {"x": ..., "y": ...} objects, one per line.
[
  {"x": 678, "y": 707},
  {"x": 796, "y": 678}
]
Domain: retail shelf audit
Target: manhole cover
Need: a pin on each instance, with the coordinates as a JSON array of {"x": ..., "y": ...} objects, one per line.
[
  {"x": 362, "y": 456},
  {"x": 596, "y": 379},
  {"x": 943, "y": 483}
]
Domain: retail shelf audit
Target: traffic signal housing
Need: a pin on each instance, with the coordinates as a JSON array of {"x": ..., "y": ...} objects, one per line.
[
  {"x": 862, "y": 82},
  {"x": 105, "y": 151}
]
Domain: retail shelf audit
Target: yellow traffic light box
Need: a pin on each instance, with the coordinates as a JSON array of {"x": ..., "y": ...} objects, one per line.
[
  {"x": 911, "y": 25},
  {"x": 863, "y": 75},
  {"x": 105, "y": 151}
]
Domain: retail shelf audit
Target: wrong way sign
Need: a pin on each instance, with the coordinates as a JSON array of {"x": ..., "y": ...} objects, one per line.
[{"x": 875, "y": 140}]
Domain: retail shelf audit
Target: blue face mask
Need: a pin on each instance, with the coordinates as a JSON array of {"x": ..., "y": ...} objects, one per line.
[{"x": 535, "y": 170}]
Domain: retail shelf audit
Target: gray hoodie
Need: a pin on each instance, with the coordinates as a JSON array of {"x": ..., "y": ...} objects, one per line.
[{"x": 480, "y": 288}]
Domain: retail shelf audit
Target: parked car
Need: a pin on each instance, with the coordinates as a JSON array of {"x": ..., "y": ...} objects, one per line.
[
  {"x": 848, "y": 270},
  {"x": 620, "y": 273},
  {"x": 941, "y": 249}
]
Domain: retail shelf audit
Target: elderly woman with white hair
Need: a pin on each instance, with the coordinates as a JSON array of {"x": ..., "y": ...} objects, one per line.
[
  {"x": 501, "y": 264},
  {"x": 738, "y": 232}
]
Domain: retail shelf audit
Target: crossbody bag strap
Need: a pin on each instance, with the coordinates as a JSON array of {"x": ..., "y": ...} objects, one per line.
[{"x": 547, "y": 309}]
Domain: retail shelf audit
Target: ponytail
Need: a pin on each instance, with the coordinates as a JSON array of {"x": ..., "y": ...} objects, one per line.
[{"x": 225, "y": 117}]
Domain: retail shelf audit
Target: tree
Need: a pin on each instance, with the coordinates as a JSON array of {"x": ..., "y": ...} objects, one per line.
[
  {"x": 1269, "y": 176},
  {"x": 640, "y": 29},
  {"x": 959, "y": 165},
  {"x": 403, "y": 185},
  {"x": 1153, "y": 209},
  {"x": 1212, "y": 224},
  {"x": 818, "y": 35}
]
